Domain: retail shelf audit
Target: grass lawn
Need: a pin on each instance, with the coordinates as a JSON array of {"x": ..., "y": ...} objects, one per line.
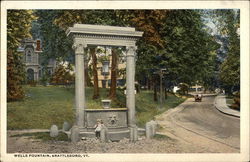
[
  {"x": 229, "y": 100},
  {"x": 44, "y": 106},
  {"x": 147, "y": 108}
]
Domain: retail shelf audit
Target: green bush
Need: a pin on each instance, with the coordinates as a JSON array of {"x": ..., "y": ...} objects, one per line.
[
  {"x": 183, "y": 88},
  {"x": 32, "y": 83},
  {"x": 236, "y": 104},
  {"x": 62, "y": 76}
]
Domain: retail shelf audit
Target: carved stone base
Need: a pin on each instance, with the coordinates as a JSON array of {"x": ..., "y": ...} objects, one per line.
[{"x": 113, "y": 134}]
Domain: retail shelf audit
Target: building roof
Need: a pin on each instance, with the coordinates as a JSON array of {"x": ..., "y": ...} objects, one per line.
[{"x": 104, "y": 30}]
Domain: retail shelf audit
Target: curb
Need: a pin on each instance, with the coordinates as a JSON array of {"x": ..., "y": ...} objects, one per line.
[
  {"x": 220, "y": 109},
  {"x": 23, "y": 131}
]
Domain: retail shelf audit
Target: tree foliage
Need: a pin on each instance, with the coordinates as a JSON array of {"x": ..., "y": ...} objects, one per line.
[
  {"x": 227, "y": 23},
  {"x": 62, "y": 75},
  {"x": 173, "y": 39},
  {"x": 151, "y": 23},
  {"x": 56, "y": 45},
  {"x": 230, "y": 68},
  {"x": 189, "y": 47},
  {"x": 18, "y": 28},
  {"x": 188, "y": 51}
]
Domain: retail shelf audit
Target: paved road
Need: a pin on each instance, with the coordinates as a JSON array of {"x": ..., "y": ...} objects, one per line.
[{"x": 200, "y": 127}]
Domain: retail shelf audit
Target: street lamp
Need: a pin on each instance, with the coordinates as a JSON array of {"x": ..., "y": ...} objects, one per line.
[
  {"x": 104, "y": 60},
  {"x": 105, "y": 68}
]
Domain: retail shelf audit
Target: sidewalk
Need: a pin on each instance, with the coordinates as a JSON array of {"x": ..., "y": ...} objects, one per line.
[
  {"x": 20, "y": 131},
  {"x": 220, "y": 104}
]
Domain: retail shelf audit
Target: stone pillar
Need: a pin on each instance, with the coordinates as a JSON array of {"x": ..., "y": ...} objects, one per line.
[
  {"x": 130, "y": 91},
  {"x": 130, "y": 85},
  {"x": 79, "y": 84}
]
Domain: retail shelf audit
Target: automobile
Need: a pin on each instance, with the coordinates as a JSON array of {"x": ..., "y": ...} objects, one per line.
[{"x": 198, "y": 97}]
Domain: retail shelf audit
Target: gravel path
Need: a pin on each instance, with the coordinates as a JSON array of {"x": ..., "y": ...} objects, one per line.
[{"x": 27, "y": 144}]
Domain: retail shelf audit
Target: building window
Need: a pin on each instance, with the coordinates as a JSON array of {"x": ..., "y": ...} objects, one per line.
[
  {"x": 121, "y": 82},
  {"x": 40, "y": 73},
  {"x": 30, "y": 74},
  {"x": 28, "y": 55},
  {"x": 104, "y": 82}
]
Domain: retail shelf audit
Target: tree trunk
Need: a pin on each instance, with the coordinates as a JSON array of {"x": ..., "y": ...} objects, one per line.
[
  {"x": 166, "y": 93},
  {"x": 148, "y": 83},
  {"x": 112, "y": 92},
  {"x": 137, "y": 87},
  {"x": 86, "y": 74},
  {"x": 155, "y": 89},
  {"x": 95, "y": 74}
]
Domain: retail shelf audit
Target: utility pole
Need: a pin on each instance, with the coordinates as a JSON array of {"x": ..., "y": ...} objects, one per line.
[{"x": 161, "y": 72}]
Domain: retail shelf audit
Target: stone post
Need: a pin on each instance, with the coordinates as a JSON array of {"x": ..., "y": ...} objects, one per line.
[
  {"x": 130, "y": 85},
  {"x": 130, "y": 91},
  {"x": 79, "y": 84},
  {"x": 104, "y": 134},
  {"x": 75, "y": 134},
  {"x": 148, "y": 130},
  {"x": 54, "y": 131}
]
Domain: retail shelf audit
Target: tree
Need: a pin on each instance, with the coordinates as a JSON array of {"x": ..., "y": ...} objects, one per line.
[
  {"x": 56, "y": 45},
  {"x": 227, "y": 23},
  {"x": 18, "y": 28},
  {"x": 189, "y": 47},
  {"x": 151, "y": 23},
  {"x": 95, "y": 74},
  {"x": 66, "y": 18},
  {"x": 230, "y": 68},
  {"x": 112, "y": 92},
  {"x": 183, "y": 88},
  {"x": 62, "y": 75},
  {"x": 87, "y": 71}
]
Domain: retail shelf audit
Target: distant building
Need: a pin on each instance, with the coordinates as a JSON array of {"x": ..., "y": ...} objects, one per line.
[
  {"x": 196, "y": 88},
  {"x": 104, "y": 70},
  {"x": 31, "y": 50},
  {"x": 175, "y": 89},
  {"x": 105, "y": 78}
]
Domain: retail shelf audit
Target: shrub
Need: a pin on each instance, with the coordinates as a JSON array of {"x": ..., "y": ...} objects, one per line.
[
  {"x": 236, "y": 104},
  {"x": 183, "y": 88},
  {"x": 15, "y": 76},
  {"x": 32, "y": 83},
  {"x": 62, "y": 76}
]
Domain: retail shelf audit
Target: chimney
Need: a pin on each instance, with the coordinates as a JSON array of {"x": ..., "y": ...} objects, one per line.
[{"x": 38, "y": 45}]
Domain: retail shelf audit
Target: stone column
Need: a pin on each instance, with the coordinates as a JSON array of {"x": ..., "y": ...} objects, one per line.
[
  {"x": 79, "y": 84},
  {"x": 130, "y": 92},
  {"x": 130, "y": 85}
]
